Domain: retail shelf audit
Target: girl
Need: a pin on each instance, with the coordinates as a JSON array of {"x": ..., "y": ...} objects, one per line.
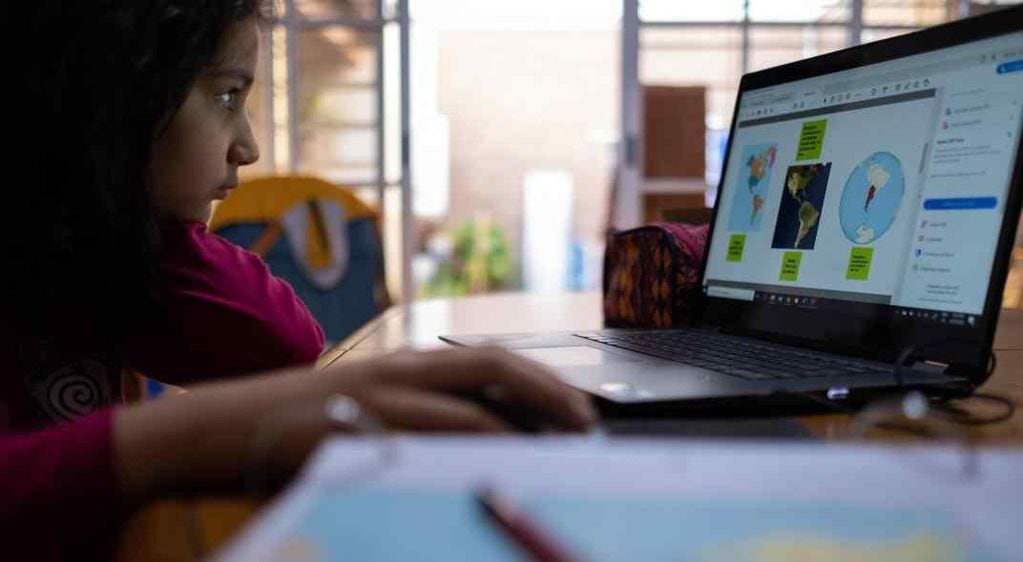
[
  {"x": 129, "y": 121},
  {"x": 119, "y": 269}
]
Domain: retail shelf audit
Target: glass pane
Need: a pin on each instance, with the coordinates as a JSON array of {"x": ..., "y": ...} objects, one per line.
[
  {"x": 773, "y": 46},
  {"x": 330, "y": 147},
  {"x": 674, "y": 10},
  {"x": 521, "y": 112},
  {"x": 873, "y": 34},
  {"x": 978, "y": 7},
  {"x": 329, "y": 9},
  {"x": 391, "y": 234},
  {"x": 707, "y": 56},
  {"x": 698, "y": 56},
  {"x": 799, "y": 10},
  {"x": 902, "y": 12},
  {"x": 336, "y": 104},
  {"x": 521, "y": 15}
]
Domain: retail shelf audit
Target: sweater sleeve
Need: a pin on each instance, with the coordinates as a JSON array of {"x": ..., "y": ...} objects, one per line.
[
  {"x": 58, "y": 490},
  {"x": 226, "y": 314}
]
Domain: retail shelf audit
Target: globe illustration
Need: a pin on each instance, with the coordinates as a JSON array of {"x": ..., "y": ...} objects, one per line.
[{"x": 871, "y": 198}]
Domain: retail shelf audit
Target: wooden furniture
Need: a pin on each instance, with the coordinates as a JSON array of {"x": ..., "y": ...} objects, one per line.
[
  {"x": 192, "y": 529},
  {"x": 338, "y": 271},
  {"x": 674, "y": 131},
  {"x": 674, "y": 151},
  {"x": 675, "y": 201}
]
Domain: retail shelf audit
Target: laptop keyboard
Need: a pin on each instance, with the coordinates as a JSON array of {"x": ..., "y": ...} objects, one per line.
[{"x": 734, "y": 356}]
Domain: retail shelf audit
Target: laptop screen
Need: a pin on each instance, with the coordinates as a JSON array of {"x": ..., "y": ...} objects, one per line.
[{"x": 877, "y": 192}]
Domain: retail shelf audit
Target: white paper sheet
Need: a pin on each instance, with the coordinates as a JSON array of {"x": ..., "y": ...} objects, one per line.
[{"x": 647, "y": 500}]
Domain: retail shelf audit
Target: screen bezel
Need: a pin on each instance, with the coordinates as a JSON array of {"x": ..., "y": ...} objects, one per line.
[{"x": 878, "y": 334}]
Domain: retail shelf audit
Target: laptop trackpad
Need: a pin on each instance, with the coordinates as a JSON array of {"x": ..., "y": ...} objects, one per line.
[{"x": 573, "y": 356}]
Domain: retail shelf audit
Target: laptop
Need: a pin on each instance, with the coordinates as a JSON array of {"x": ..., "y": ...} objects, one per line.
[{"x": 860, "y": 238}]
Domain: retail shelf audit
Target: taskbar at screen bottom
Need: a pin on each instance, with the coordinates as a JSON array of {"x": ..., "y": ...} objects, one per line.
[{"x": 861, "y": 305}]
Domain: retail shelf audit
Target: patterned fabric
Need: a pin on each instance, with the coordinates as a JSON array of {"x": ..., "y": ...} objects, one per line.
[
  {"x": 651, "y": 275},
  {"x": 61, "y": 384}
]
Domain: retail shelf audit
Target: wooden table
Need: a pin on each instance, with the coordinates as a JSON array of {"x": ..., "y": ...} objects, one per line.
[
  {"x": 187, "y": 530},
  {"x": 419, "y": 325}
]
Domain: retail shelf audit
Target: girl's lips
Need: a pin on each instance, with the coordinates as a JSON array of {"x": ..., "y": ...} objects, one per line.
[{"x": 223, "y": 190}]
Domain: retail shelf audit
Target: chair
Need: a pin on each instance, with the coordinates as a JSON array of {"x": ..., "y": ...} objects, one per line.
[{"x": 320, "y": 238}]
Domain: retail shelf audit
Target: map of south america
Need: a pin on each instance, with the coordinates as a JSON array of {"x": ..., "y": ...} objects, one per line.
[
  {"x": 800, "y": 210},
  {"x": 871, "y": 198},
  {"x": 878, "y": 179}
]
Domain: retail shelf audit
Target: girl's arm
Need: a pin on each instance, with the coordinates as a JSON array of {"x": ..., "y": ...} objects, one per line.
[
  {"x": 66, "y": 486},
  {"x": 201, "y": 440},
  {"x": 225, "y": 314},
  {"x": 58, "y": 490}
]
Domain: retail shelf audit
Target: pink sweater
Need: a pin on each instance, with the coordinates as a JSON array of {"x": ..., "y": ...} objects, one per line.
[{"x": 227, "y": 315}]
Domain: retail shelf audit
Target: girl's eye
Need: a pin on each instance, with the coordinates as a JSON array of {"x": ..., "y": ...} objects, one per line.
[{"x": 228, "y": 100}]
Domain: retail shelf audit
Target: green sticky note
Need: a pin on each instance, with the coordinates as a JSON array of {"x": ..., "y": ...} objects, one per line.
[
  {"x": 859, "y": 263},
  {"x": 736, "y": 244},
  {"x": 811, "y": 139},
  {"x": 790, "y": 266}
]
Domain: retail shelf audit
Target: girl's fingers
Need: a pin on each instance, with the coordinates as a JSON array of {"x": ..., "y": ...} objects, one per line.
[
  {"x": 414, "y": 409},
  {"x": 502, "y": 375}
]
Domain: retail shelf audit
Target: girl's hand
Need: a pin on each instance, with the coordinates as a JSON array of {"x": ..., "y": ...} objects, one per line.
[
  {"x": 201, "y": 442},
  {"x": 462, "y": 389}
]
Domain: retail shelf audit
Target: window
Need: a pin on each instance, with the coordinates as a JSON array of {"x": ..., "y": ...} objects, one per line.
[
  {"x": 327, "y": 102},
  {"x": 712, "y": 44}
]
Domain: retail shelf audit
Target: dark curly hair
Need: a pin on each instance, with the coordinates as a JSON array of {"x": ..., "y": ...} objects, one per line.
[{"x": 98, "y": 82}]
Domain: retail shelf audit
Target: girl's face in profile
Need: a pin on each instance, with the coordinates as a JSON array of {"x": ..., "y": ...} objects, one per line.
[{"x": 196, "y": 159}]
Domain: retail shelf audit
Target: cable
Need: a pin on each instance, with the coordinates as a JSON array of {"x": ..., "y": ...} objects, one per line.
[
  {"x": 915, "y": 405},
  {"x": 907, "y": 353},
  {"x": 949, "y": 409},
  {"x": 955, "y": 414}
]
